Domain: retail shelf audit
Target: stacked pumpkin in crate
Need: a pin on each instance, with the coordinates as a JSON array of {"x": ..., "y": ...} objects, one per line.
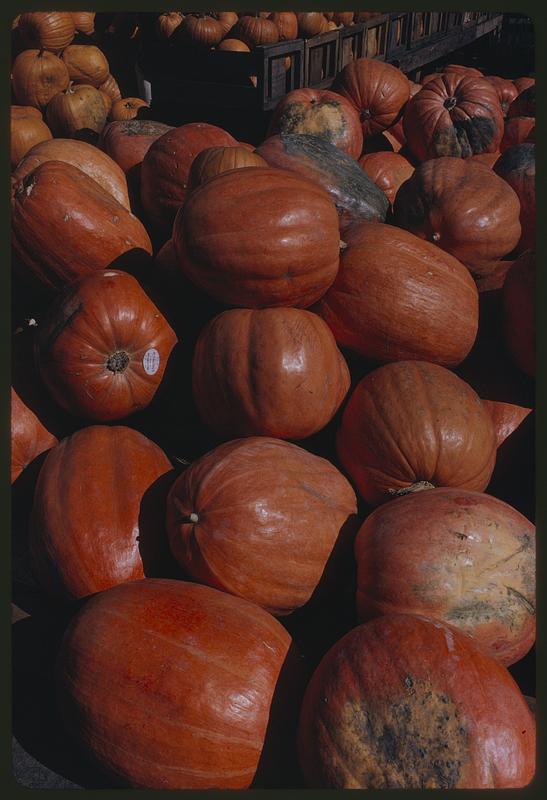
[{"x": 283, "y": 568}]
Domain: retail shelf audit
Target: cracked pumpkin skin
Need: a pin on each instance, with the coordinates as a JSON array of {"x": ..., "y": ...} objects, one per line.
[
  {"x": 405, "y": 702},
  {"x": 259, "y": 518},
  {"x": 465, "y": 558}
]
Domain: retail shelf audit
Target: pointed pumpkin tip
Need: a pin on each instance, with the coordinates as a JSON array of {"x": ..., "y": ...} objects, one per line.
[{"x": 506, "y": 418}]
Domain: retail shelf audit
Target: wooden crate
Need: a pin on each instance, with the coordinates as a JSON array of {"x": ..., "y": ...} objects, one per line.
[
  {"x": 321, "y": 60},
  {"x": 398, "y": 34},
  {"x": 419, "y": 26},
  {"x": 375, "y": 37},
  {"x": 350, "y": 44}
]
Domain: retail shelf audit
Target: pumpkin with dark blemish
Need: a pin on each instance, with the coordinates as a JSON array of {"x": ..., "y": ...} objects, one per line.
[
  {"x": 517, "y": 166},
  {"x": 257, "y": 237},
  {"x": 454, "y": 114},
  {"x": 397, "y": 297},
  {"x": 377, "y": 90},
  {"x": 322, "y": 113},
  {"x": 77, "y": 111},
  {"x": 259, "y": 518},
  {"x": 463, "y": 207},
  {"x": 411, "y": 422},
  {"x": 406, "y": 702},
  {"x": 83, "y": 536},
  {"x": 103, "y": 347},
  {"x": 462, "y": 557}
]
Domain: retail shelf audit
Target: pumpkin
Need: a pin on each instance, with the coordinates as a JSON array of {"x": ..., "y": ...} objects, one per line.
[
  {"x": 111, "y": 88},
  {"x": 82, "y": 542},
  {"x": 378, "y": 91},
  {"x": 464, "y": 208},
  {"x": 198, "y": 30},
  {"x": 287, "y": 24},
  {"x": 506, "y": 417},
  {"x": 443, "y": 437},
  {"x": 167, "y": 23},
  {"x": 25, "y": 112},
  {"x": 77, "y": 110},
  {"x": 86, "y": 64},
  {"x": 103, "y": 347},
  {"x": 85, "y": 157},
  {"x": 128, "y": 141},
  {"x": 453, "y": 115},
  {"x": 48, "y": 30},
  {"x": 318, "y": 112},
  {"x": 154, "y": 700},
  {"x": 233, "y": 45},
  {"x": 255, "y": 30},
  {"x": 227, "y": 20},
  {"x": 29, "y": 436},
  {"x": 388, "y": 171},
  {"x": 258, "y": 237},
  {"x": 166, "y": 166},
  {"x": 64, "y": 225},
  {"x": 107, "y": 100},
  {"x": 311, "y": 24},
  {"x": 524, "y": 83},
  {"x": 215, "y": 160},
  {"x": 344, "y": 18},
  {"x": 127, "y": 108},
  {"x": 461, "y": 69},
  {"x": 518, "y": 130},
  {"x": 270, "y": 372},
  {"x": 406, "y": 702},
  {"x": 430, "y": 77},
  {"x": 519, "y": 299},
  {"x": 524, "y": 105},
  {"x": 25, "y": 132},
  {"x": 396, "y": 131},
  {"x": 355, "y": 196},
  {"x": 465, "y": 558},
  {"x": 259, "y": 518},
  {"x": 397, "y": 297},
  {"x": 37, "y": 76},
  {"x": 517, "y": 166},
  {"x": 506, "y": 89},
  {"x": 486, "y": 158},
  {"x": 84, "y": 21}
]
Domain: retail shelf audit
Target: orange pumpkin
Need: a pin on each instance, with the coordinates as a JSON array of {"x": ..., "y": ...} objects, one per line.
[
  {"x": 50, "y": 30},
  {"x": 167, "y": 23},
  {"x": 37, "y": 76},
  {"x": 86, "y": 64},
  {"x": 29, "y": 436},
  {"x": 26, "y": 130},
  {"x": 78, "y": 110},
  {"x": 388, "y": 171},
  {"x": 127, "y": 108},
  {"x": 287, "y": 24},
  {"x": 214, "y": 161},
  {"x": 84, "y": 21}
]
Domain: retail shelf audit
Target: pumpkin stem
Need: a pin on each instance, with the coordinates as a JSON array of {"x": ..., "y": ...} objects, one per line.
[
  {"x": 342, "y": 245},
  {"x": 419, "y": 486},
  {"x": 69, "y": 89},
  {"x": 193, "y": 517},
  {"x": 118, "y": 361},
  {"x": 450, "y": 103}
]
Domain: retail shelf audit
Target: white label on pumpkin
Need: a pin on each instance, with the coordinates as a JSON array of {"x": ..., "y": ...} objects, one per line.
[{"x": 151, "y": 361}]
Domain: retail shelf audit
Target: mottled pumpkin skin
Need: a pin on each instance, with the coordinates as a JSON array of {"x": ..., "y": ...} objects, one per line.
[
  {"x": 465, "y": 558},
  {"x": 96, "y": 517},
  {"x": 443, "y": 435},
  {"x": 29, "y": 436},
  {"x": 377, "y": 90},
  {"x": 166, "y": 166},
  {"x": 268, "y": 372},
  {"x": 64, "y": 225},
  {"x": 319, "y": 112},
  {"x": 388, "y": 171},
  {"x": 177, "y": 693},
  {"x": 128, "y": 141},
  {"x": 102, "y": 349},
  {"x": 259, "y": 237},
  {"x": 454, "y": 114},
  {"x": 405, "y": 702},
  {"x": 354, "y": 194},
  {"x": 519, "y": 300},
  {"x": 397, "y": 297},
  {"x": 463, "y": 207},
  {"x": 517, "y": 166},
  {"x": 269, "y": 514}
]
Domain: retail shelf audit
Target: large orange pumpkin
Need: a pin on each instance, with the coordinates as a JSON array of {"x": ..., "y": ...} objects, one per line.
[
  {"x": 463, "y": 207},
  {"x": 97, "y": 513},
  {"x": 259, "y": 518},
  {"x": 462, "y": 557},
  {"x": 406, "y": 702},
  {"x": 80, "y": 110},
  {"x": 65, "y": 225},
  {"x": 259, "y": 237},
  {"x": 410, "y": 424},
  {"x": 26, "y": 130},
  {"x": 181, "y": 691},
  {"x": 128, "y": 141},
  {"x": 269, "y": 372},
  {"x": 37, "y": 76},
  {"x": 455, "y": 114},
  {"x": 214, "y": 161},
  {"x": 86, "y": 64},
  {"x": 48, "y": 30},
  {"x": 397, "y": 297},
  {"x": 378, "y": 91},
  {"x": 255, "y": 30},
  {"x": 29, "y": 436},
  {"x": 287, "y": 24},
  {"x": 102, "y": 348}
]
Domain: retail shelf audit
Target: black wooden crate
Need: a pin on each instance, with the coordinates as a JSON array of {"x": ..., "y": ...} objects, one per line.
[
  {"x": 455, "y": 19},
  {"x": 419, "y": 26},
  {"x": 398, "y": 33},
  {"x": 376, "y": 37},
  {"x": 321, "y": 60},
  {"x": 350, "y": 46},
  {"x": 438, "y": 23}
]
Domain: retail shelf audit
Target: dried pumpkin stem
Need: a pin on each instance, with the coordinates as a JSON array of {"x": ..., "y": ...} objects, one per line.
[{"x": 419, "y": 486}]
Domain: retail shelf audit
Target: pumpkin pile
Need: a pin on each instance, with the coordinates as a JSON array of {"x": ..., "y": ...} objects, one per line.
[{"x": 270, "y": 409}]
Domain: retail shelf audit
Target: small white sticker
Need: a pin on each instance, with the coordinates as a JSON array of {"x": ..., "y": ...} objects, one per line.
[{"x": 151, "y": 361}]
